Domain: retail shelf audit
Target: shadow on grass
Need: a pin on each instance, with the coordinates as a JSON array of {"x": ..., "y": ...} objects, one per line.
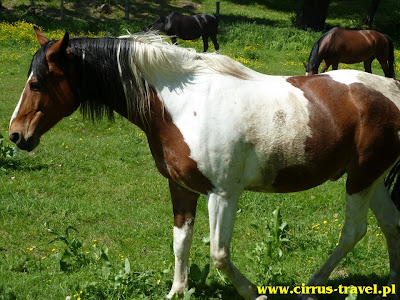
[
  {"x": 86, "y": 16},
  {"x": 8, "y": 165}
]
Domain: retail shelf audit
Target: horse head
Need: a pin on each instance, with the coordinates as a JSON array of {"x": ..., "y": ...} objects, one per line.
[
  {"x": 47, "y": 96},
  {"x": 310, "y": 69},
  {"x": 158, "y": 25}
]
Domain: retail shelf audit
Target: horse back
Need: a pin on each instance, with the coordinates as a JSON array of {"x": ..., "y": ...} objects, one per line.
[
  {"x": 352, "y": 46},
  {"x": 192, "y": 27}
]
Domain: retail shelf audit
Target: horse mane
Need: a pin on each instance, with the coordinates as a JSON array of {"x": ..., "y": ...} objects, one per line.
[
  {"x": 314, "y": 58},
  {"x": 128, "y": 68},
  {"x": 151, "y": 50},
  {"x": 152, "y": 59}
]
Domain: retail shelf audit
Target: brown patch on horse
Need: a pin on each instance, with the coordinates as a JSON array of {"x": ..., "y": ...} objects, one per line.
[
  {"x": 361, "y": 139},
  {"x": 170, "y": 151}
]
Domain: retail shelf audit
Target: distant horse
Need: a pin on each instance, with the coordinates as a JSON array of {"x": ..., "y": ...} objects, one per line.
[
  {"x": 350, "y": 47},
  {"x": 189, "y": 27},
  {"x": 217, "y": 128}
]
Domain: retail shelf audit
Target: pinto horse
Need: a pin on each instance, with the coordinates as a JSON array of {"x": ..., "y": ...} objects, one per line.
[
  {"x": 189, "y": 27},
  {"x": 217, "y": 128},
  {"x": 350, "y": 47}
]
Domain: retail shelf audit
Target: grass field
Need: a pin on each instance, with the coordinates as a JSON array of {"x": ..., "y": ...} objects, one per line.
[{"x": 100, "y": 177}]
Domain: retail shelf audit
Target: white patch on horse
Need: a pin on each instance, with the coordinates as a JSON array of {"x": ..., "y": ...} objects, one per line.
[
  {"x": 182, "y": 242},
  {"x": 245, "y": 131},
  {"x": 386, "y": 86},
  {"x": 15, "y": 113}
]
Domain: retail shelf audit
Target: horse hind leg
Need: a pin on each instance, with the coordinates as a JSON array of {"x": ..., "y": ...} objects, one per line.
[
  {"x": 388, "y": 219},
  {"x": 215, "y": 42},
  {"x": 385, "y": 67},
  {"x": 184, "y": 206},
  {"x": 354, "y": 229},
  {"x": 205, "y": 43},
  {"x": 222, "y": 212}
]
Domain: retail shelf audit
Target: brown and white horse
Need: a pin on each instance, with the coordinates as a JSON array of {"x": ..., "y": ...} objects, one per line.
[
  {"x": 217, "y": 128},
  {"x": 352, "y": 46}
]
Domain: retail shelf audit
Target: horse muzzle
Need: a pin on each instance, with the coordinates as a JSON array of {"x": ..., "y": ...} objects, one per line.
[{"x": 27, "y": 144}]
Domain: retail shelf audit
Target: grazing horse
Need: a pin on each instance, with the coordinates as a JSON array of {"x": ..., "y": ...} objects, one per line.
[
  {"x": 189, "y": 27},
  {"x": 350, "y": 47},
  {"x": 216, "y": 128}
]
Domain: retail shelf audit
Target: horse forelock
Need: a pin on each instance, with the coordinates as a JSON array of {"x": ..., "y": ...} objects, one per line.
[{"x": 39, "y": 66}]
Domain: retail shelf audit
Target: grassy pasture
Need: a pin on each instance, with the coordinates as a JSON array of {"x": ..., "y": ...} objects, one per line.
[{"x": 100, "y": 178}]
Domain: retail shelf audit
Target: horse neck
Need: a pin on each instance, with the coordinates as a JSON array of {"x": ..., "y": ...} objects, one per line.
[
  {"x": 103, "y": 79},
  {"x": 315, "y": 59}
]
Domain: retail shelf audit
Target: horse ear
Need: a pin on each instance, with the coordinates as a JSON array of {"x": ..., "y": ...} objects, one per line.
[
  {"x": 57, "y": 49},
  {"x": 40, "y": 37}
]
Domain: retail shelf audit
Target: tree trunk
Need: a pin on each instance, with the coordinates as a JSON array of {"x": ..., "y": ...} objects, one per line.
[
  {"x": 62, "y": 10},
  {"x": 313, "y": 15},
  {"x": 127, "y": 10},
  {"x": 369, "y": 18}
]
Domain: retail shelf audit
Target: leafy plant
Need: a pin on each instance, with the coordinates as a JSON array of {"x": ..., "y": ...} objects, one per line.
[
  {"x": 186, "y": 294},
  {"x": 73, "y": 256},
  {"x": 351, "y": 296},
  {"x": 277, "y": 235},
  {"x": 269, "y": 252},
  {"x": 6, "y": 151}
]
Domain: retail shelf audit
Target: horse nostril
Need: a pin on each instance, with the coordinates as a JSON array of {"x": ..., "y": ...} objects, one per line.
[{"x": 14, "y": 137}]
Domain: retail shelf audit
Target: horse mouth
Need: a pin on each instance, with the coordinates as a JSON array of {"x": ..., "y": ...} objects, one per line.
[{"x": 24, "y": 144}]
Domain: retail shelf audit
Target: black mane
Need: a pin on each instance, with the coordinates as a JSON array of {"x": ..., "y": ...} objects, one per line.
[{"x": 99, "y": 86}]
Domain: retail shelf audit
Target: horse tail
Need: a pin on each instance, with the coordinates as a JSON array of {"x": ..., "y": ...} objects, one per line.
[
  {"x": 391, "y": 56},
  {"x": 217, "y": 11},
  {"x": 392, "y": 184}
]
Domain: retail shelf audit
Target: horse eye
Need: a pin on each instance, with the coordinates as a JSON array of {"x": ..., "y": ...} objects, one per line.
[{"x": 34, "y": 86}]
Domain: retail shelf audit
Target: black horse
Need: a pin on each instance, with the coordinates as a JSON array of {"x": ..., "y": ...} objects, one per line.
[{"x": 177, "y": 25}]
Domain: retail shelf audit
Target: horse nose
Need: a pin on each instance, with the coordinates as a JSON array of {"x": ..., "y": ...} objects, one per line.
[{"x": 15, "y": 137}]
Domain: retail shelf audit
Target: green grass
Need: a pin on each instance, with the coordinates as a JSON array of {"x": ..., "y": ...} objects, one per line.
[{"x": 100, "y": 178}]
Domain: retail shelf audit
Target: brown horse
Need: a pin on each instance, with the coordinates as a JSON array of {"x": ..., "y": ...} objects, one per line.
[
  {"x": 217, "y": 128},
  {"x": 350, "y": 47}
]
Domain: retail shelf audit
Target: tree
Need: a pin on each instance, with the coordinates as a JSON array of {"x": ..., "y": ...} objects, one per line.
[
  {"x": 62, "y": 10},
  {"x": 369, "y": 18},
  {"x": 313, "y": 15},
  {"x": 127, "y": 10}
]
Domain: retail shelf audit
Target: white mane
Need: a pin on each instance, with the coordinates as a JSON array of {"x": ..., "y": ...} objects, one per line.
[
  {"x": 151, "y": 50},
  {"x": 151, "y": 57}
]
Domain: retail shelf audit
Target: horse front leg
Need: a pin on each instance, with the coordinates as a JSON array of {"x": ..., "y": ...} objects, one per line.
[
  {"x": 222, "y": 211},
  {"x": 325, "y": 67},
  {"x": 184, "y": 204},
  {"x": 354, "y": 229}
]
